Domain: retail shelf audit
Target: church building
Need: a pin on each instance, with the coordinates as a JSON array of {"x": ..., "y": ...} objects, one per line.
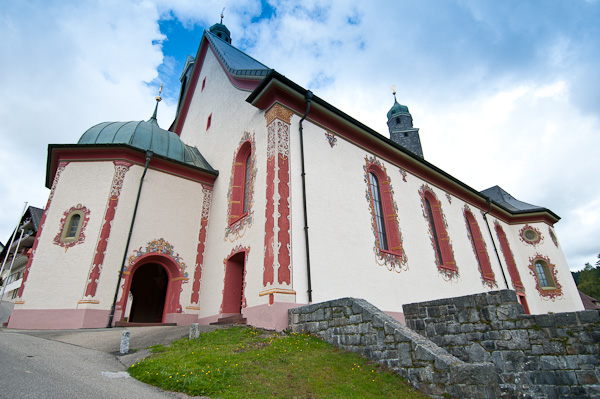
[{"x": 261, "y": 197}]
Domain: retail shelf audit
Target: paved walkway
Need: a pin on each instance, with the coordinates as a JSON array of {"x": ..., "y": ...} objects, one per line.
[
  {"x": 109, "y": 339},
  {"x": 79, "y": 363}
]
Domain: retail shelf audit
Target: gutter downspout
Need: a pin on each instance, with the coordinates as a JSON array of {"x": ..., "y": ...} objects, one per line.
[
  {"x": 137, "y": 201},
  {"x": 308, "y": 98},
  {"x": 494, "y": 242}
]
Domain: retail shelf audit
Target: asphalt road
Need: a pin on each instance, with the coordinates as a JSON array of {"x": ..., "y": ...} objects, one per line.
[{"x": 36, "y": 367}]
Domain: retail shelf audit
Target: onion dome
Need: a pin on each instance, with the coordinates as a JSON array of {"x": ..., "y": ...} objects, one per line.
[
  {"x": 146, "y": 136},
  {"x": 397, "y": 109}
]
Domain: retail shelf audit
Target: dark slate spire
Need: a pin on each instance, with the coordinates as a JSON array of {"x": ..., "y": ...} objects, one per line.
[{"x": 401, "y": 128}]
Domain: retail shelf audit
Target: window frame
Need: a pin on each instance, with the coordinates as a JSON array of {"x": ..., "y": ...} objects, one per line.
[
  {"x": 551, "y": 292},
  {"x": 64, "y": 237},
  {"x": 240, "y": 189},
  {"x": 479, "y": 248},
  {"x": 509, "y": 258},
  {"x": 438, "y": 231},
  {"x": 393, "y": 241}
]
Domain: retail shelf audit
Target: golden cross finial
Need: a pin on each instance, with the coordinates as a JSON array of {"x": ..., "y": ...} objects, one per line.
[{"x": 222, "y": 14}]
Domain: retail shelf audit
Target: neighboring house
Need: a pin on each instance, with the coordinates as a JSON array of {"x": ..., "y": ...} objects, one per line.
[
  {"x": 15, "y": 258},
  {"x": 589, "y": 302},
  {"x": 262, "y": 197}
]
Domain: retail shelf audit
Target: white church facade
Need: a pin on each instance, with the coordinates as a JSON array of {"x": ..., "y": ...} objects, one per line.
[{"x": 262, "y": 197}]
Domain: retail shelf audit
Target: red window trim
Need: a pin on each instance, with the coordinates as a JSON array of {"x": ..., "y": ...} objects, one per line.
[
  {"x": 509, "y": 258},
  {"x": 236, "y": 210},
  {"x": 438, "y": 227},
  {"x": 394, "y": 242},
  {"x": 481, "y": 253},
  {"x": 203, "y": 84},
  {"x": 208, "y": 121}
]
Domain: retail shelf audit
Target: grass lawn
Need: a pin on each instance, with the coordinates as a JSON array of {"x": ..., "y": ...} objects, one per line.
[{"x": 242, "y": 362}]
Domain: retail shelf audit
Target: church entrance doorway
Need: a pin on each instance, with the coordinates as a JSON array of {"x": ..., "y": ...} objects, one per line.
[
  {"x": 233, "y": 293},
  {"x": 149, "y": 289}
]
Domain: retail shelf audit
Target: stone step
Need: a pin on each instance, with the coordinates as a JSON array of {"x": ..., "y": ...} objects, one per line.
[
  {"x": 133, "y": 324},
  {"x": 233, "y": 319}
]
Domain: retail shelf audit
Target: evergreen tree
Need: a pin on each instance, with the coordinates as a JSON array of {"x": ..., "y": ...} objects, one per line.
[{"x": 588, "y": 279}]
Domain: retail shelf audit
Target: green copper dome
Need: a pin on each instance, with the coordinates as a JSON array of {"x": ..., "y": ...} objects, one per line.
[
  {"x": 397, "y": 109},
  {"x": 221, "y": 31},
  {"x": 145, "y": 135}
]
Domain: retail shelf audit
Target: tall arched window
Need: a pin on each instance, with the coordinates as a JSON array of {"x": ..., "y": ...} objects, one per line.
[
  {"x": 479, "y": 248},
  {"x": 439, "y": 236},
  {"x": 241, "y": 179},
  {"x": 511, "y": 265},
  {"x": 509, "y": 258},
  {"x": 383, "y": 211},
  {"x": 378, "y": 207},
  {"x": 247, "y": 167}
]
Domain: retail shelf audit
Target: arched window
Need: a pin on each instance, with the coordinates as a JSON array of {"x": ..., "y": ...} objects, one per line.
[
  {"x": 479, "y": 248},
  {"x": 544, "y": 275},
  {"x": 72, "y": 227},
  {"x": 439, "y": 236},
  {"x": 544, "y": 272},
  {"x": 247, "y": 165},
  {"x": 383, "y": 211},
  {"x": 509, "y": 258},
  {"x": 241, "y": 180},
  {"x": 378, "y": 207}
]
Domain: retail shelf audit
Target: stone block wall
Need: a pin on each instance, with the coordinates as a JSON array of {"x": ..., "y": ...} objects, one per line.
[
  {"x": 358, "y": 326},
  {"x": 535, "y": 356}
]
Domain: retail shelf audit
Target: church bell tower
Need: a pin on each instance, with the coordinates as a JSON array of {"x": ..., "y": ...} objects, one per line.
[{"x": 401, "y": 128}]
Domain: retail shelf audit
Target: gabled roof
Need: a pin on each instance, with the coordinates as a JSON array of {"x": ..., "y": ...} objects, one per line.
[
  {"x": 236, "y": 61},
  {"x": 588, "y": 301},
  {"x": 498, "y": 195},
  {"x": 36, "y": 217}
]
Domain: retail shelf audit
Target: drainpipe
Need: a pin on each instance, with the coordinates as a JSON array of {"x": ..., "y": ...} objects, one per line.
[
  {"x": 308, "y": 98},
  {"x": 137, "y": 201},
  {"x": 494, "y": 242}
]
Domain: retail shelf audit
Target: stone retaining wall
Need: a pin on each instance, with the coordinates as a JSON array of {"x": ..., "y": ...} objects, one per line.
[
  {"x": 535, "y": 356},
  {"x": 358, "y": 326}
]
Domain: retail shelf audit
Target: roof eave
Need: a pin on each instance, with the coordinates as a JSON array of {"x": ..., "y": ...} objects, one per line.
[
  {"x": 259, "y": 98},
  {"x": 52, "y": 163}
]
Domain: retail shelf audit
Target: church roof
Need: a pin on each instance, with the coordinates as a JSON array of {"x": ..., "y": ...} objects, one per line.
[
  {"x": 146, "y": 136},
  {"x": 501, "y": 197},
  {"x": 236, "y": 61}
]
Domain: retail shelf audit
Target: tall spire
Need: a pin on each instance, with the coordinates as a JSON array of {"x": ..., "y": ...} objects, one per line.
[{"x": 158, "y": 99}]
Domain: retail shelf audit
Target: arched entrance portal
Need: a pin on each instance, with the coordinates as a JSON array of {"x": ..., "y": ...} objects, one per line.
[
  {"x": 233, "y": 293},
  {"x": 149, "y": 289}
]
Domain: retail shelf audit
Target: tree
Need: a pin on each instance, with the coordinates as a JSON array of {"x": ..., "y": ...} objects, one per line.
[{"x": 588, "y": 279}]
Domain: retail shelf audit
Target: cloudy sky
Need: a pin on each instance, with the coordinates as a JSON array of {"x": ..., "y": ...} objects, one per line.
[{"x": 504, "y": 92}]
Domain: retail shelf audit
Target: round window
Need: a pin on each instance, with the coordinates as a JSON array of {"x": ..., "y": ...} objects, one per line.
[{"x": 530, "y": 235}]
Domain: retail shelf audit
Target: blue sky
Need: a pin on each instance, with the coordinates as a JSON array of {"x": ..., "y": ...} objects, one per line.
[{"x": 504, "y": 92}]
